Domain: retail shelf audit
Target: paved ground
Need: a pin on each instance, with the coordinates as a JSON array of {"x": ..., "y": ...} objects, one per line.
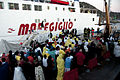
[
  {"x": 118, "y": 77},
  {"x": 108, "y": 72}
]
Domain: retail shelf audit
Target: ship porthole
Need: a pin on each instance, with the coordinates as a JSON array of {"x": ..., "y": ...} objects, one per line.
[
  {"x": 63, "y": 20},
  {"x": 48, "y": 7},
  {"x": 55, "y": 8},
  {"x": 93, "y": 19},
  {"x": 74, "y": 19},
  {"x": 69, "y": 19},
  {"x": 57, "y": 19},
  {"x": 63, "y": 9}
]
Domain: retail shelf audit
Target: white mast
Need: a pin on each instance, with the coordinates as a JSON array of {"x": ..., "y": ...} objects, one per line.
[{"x": 109, "y": 6}]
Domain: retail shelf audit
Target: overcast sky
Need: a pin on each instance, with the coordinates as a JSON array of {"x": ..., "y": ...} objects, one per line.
[{"x": 115, "y": 4}]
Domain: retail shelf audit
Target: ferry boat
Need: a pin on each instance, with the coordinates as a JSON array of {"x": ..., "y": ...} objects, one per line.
[{"x": 19, "y": 18}]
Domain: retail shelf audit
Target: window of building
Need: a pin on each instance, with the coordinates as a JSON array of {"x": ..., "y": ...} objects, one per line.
[
  {"x": 1, "y": 5},
  {"x": 14, "y": 6},
  {"x": 26, "y": 6},
  {"x": 38, "y": 8},
  {"x": 71, "y": 9}
]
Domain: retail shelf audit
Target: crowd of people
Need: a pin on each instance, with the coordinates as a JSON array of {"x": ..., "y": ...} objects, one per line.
[
  {"x": 58, "y": 55},
  {"x": 89, "y": 33}
]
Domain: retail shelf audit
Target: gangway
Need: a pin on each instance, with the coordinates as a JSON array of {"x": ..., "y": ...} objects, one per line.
[{"x": 40, "y": 36}]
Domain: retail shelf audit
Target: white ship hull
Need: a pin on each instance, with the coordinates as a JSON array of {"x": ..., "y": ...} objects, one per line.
[{"x": 54, "y": 19}]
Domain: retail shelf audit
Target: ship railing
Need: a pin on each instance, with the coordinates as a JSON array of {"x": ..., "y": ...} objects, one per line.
[
  {"x": 29, "y": 39},
  {"x": 88, "y": 10},
  {"x": 34, "y": 36}
]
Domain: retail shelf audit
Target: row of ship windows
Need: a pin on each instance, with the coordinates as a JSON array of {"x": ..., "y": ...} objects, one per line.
[
  {"x": 38, "y": 20},
  {"x": 15, "y": 6}
]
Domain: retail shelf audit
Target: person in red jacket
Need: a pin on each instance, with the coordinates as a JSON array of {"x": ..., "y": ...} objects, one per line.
[
  {"x": 30, "y": 58},
  {"x": 92, "y": 31},
  {"x": 80, "y": 60}
]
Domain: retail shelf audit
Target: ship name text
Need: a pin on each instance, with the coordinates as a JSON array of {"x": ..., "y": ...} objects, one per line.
[{"x": 53, "y": 26}]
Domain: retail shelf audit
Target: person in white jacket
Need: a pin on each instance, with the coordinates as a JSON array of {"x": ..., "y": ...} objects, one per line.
[
  {"x": 117, "y": 50},
  {"x": 39, "y": 75},
  {"x": 18, "y": 74}
]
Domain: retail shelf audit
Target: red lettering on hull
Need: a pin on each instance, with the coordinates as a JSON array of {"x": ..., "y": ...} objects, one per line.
[
  {"x": 56, "y": 26},
  {"x": 51, "y": 28},
  {"x": 23, "y": 29},
  {"x": 45, "y": 28},
  {"x": 60, "y": 27},
  {"x": 48, "y": 26},
  {"x": 70, "y": 25}
]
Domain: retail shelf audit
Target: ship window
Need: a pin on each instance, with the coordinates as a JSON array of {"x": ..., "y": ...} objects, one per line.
[
  {"x": 93, "y": 19},
  {"x": 38, "y": 20},
  {"x": 63, "y": 20},
  {"x": 73, "y": 4},
  {"x": 38, "y": 8},
  {"x": 71, "y": 9},
  {"x": 81, "y": 5},
  {"x": 45, "y": 20},
  {"x": 86, "y": 11},
  {"x": 63, "y": 9},
  {"x": 1, "y": 5},
  {"x": 94, "y": 12},
  {"x": 35, "y": 20},
  {"x": 26, "y": 6},
  {"x": 69, "y": 19},
  {"x": 14, "y": 6},
  {"x": 74, "y": 19},
  {"x": 48, "y": 7},
  {"x": 29, "y": 7},
  {"x": 57, "y": 19},
  {"x": 11, "y": 6},
  {"x": 90, "y": 11},
  {"x": 55, "y": 8},
  {"x": 81, "y": 11}
]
